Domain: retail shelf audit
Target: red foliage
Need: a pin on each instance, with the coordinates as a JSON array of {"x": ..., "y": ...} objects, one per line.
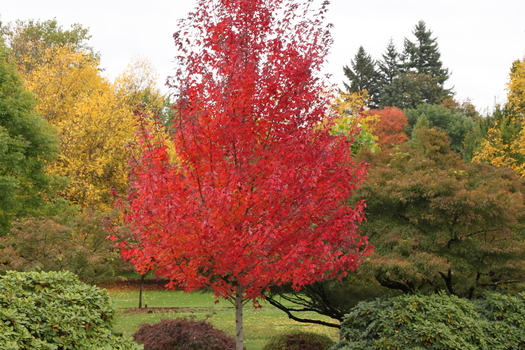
[
  {"x": 183, "y": 333},
  {"x": 389, "y": 128},
  {"x": 258, "y": 194}
]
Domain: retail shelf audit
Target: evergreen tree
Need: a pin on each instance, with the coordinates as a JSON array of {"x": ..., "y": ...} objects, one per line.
[
  {"x": 363, "y": 75},
  {"x": 420, "y": 73},
  {"x": 390, "y": 66},
  {"x": 423, "y": 56}
]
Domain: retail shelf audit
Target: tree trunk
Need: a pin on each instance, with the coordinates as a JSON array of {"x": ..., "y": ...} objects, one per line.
[
  {"x": 239, "y": 339},
  {"x": 140, "y": 290}
]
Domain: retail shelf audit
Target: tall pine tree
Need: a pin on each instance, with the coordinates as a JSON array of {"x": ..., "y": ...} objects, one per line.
[
  {"x": 420, "y": 74},
  {"x": 423, "y": 56},
  {"x": 390, "y": 66},
  {"x": 363, "y": 75}
]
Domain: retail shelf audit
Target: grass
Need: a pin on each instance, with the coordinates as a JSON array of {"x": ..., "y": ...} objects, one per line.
[{"x": 259, "y": 324}]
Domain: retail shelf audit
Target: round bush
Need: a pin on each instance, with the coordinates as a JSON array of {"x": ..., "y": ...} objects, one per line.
[
  {"x": 54, "y": 310},
  {"x": 493, "y": 321},
  {"x": 183, "y": 333},
  {"x": 299, "y": 340}
]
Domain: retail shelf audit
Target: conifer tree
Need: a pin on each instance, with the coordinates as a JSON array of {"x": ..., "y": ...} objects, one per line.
[
  {"x": 390, "y": 66},
  {"x": 363, "y": 75},
  {"x": 423, "y": 56},
  {"x": 406, "y": 80}
]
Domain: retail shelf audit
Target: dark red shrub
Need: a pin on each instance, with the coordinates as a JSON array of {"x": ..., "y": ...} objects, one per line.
[{"x": 183, "y": 333}]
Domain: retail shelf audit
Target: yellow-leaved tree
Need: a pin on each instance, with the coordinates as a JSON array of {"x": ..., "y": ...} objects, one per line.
[
  {"x": 351, "y": 109},
  {"x": 516, "y": 90},
  {"x": 504, "y": 145},
  {"x": 94, "y": 116},
  {"x": 137, "y": 87},
  {"x": 93, "y": 124}
]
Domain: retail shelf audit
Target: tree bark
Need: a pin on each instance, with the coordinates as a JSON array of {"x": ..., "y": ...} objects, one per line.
[
  {"x": 239, "y": 339},
  {"x": 140, "y": 290}
]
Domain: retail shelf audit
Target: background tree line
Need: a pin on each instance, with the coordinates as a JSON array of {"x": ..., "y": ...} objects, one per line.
[{"x": 404, "y": 80}]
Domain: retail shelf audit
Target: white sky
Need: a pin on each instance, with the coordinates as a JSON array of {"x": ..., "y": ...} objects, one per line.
[{"x": 478, "y": 39}]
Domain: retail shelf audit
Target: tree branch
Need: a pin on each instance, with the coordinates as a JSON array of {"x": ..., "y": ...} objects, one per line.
[
  {"x": 448, "y": 281},
  {"x": 288, "y": 311}
]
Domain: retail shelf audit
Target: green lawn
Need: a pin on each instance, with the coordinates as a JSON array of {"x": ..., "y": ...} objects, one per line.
[{"x": 259, "y": 324}]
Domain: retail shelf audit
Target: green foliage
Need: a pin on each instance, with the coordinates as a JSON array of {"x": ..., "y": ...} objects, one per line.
[
  {"x": 70, "y": 241},
  {"x": 353, "y": 123},
  {"x": 363, "y": 139},
  {"x": 362, "y": 75},
  {"x": 410, "y": 89},
  {"x": 504, "y": 314},
  {"x": 299, "y": 340},
  {"x": 457, "y": 126},
  {"x": 439, "y": 321},
  {"x": 413, "y": 322},
  {"x": 402, "y": 80},
  {"x": 422, "y": 54},
  {"x": 389, "y": 66},
  {"x": 27, "y": 145},
  {"x": 183, "y": 333},
  {"x": 54, "y": 310},
  {"x": 29, "y": 39},
  {"x": 437, "y": 223}
]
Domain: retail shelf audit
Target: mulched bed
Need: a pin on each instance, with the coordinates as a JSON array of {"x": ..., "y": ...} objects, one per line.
[
  {"x": 134, "y": 284},
  {"x": 167, "y": 310}
]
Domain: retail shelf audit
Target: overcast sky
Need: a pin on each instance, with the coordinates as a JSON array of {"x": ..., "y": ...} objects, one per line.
[{"x": 478, "y": 39}]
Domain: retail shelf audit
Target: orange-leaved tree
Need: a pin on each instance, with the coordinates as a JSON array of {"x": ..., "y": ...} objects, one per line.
[
  {"x": 257, "y": 195},
  {"x": 389, "y": 129}
]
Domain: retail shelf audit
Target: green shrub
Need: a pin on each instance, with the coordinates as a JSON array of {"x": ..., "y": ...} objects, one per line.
[
  {"x": 505, "y": 320},
  {"x": 54, "y": 310},
  {"x": 413, "y": 322},
  {"x": 441, "y": 322},
  {"x": 183, "y": 333},
  {"x": 299, "y": 340}
]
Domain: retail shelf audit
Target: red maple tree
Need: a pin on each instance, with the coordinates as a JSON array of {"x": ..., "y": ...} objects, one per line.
[
  {"x": 390, "y": 127},
  {"x": 257, "y": 192}
]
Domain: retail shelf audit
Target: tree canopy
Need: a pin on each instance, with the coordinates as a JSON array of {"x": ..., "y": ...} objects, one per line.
[
  {"x": 93, "y": 116},
  {"x": 438, "y": 223},
  {"x": 28, "y": 144},
  {"x": 30, "y": 40},
  {"x": 257, "y": 194},
  {"x": 504, "y": 143}
]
